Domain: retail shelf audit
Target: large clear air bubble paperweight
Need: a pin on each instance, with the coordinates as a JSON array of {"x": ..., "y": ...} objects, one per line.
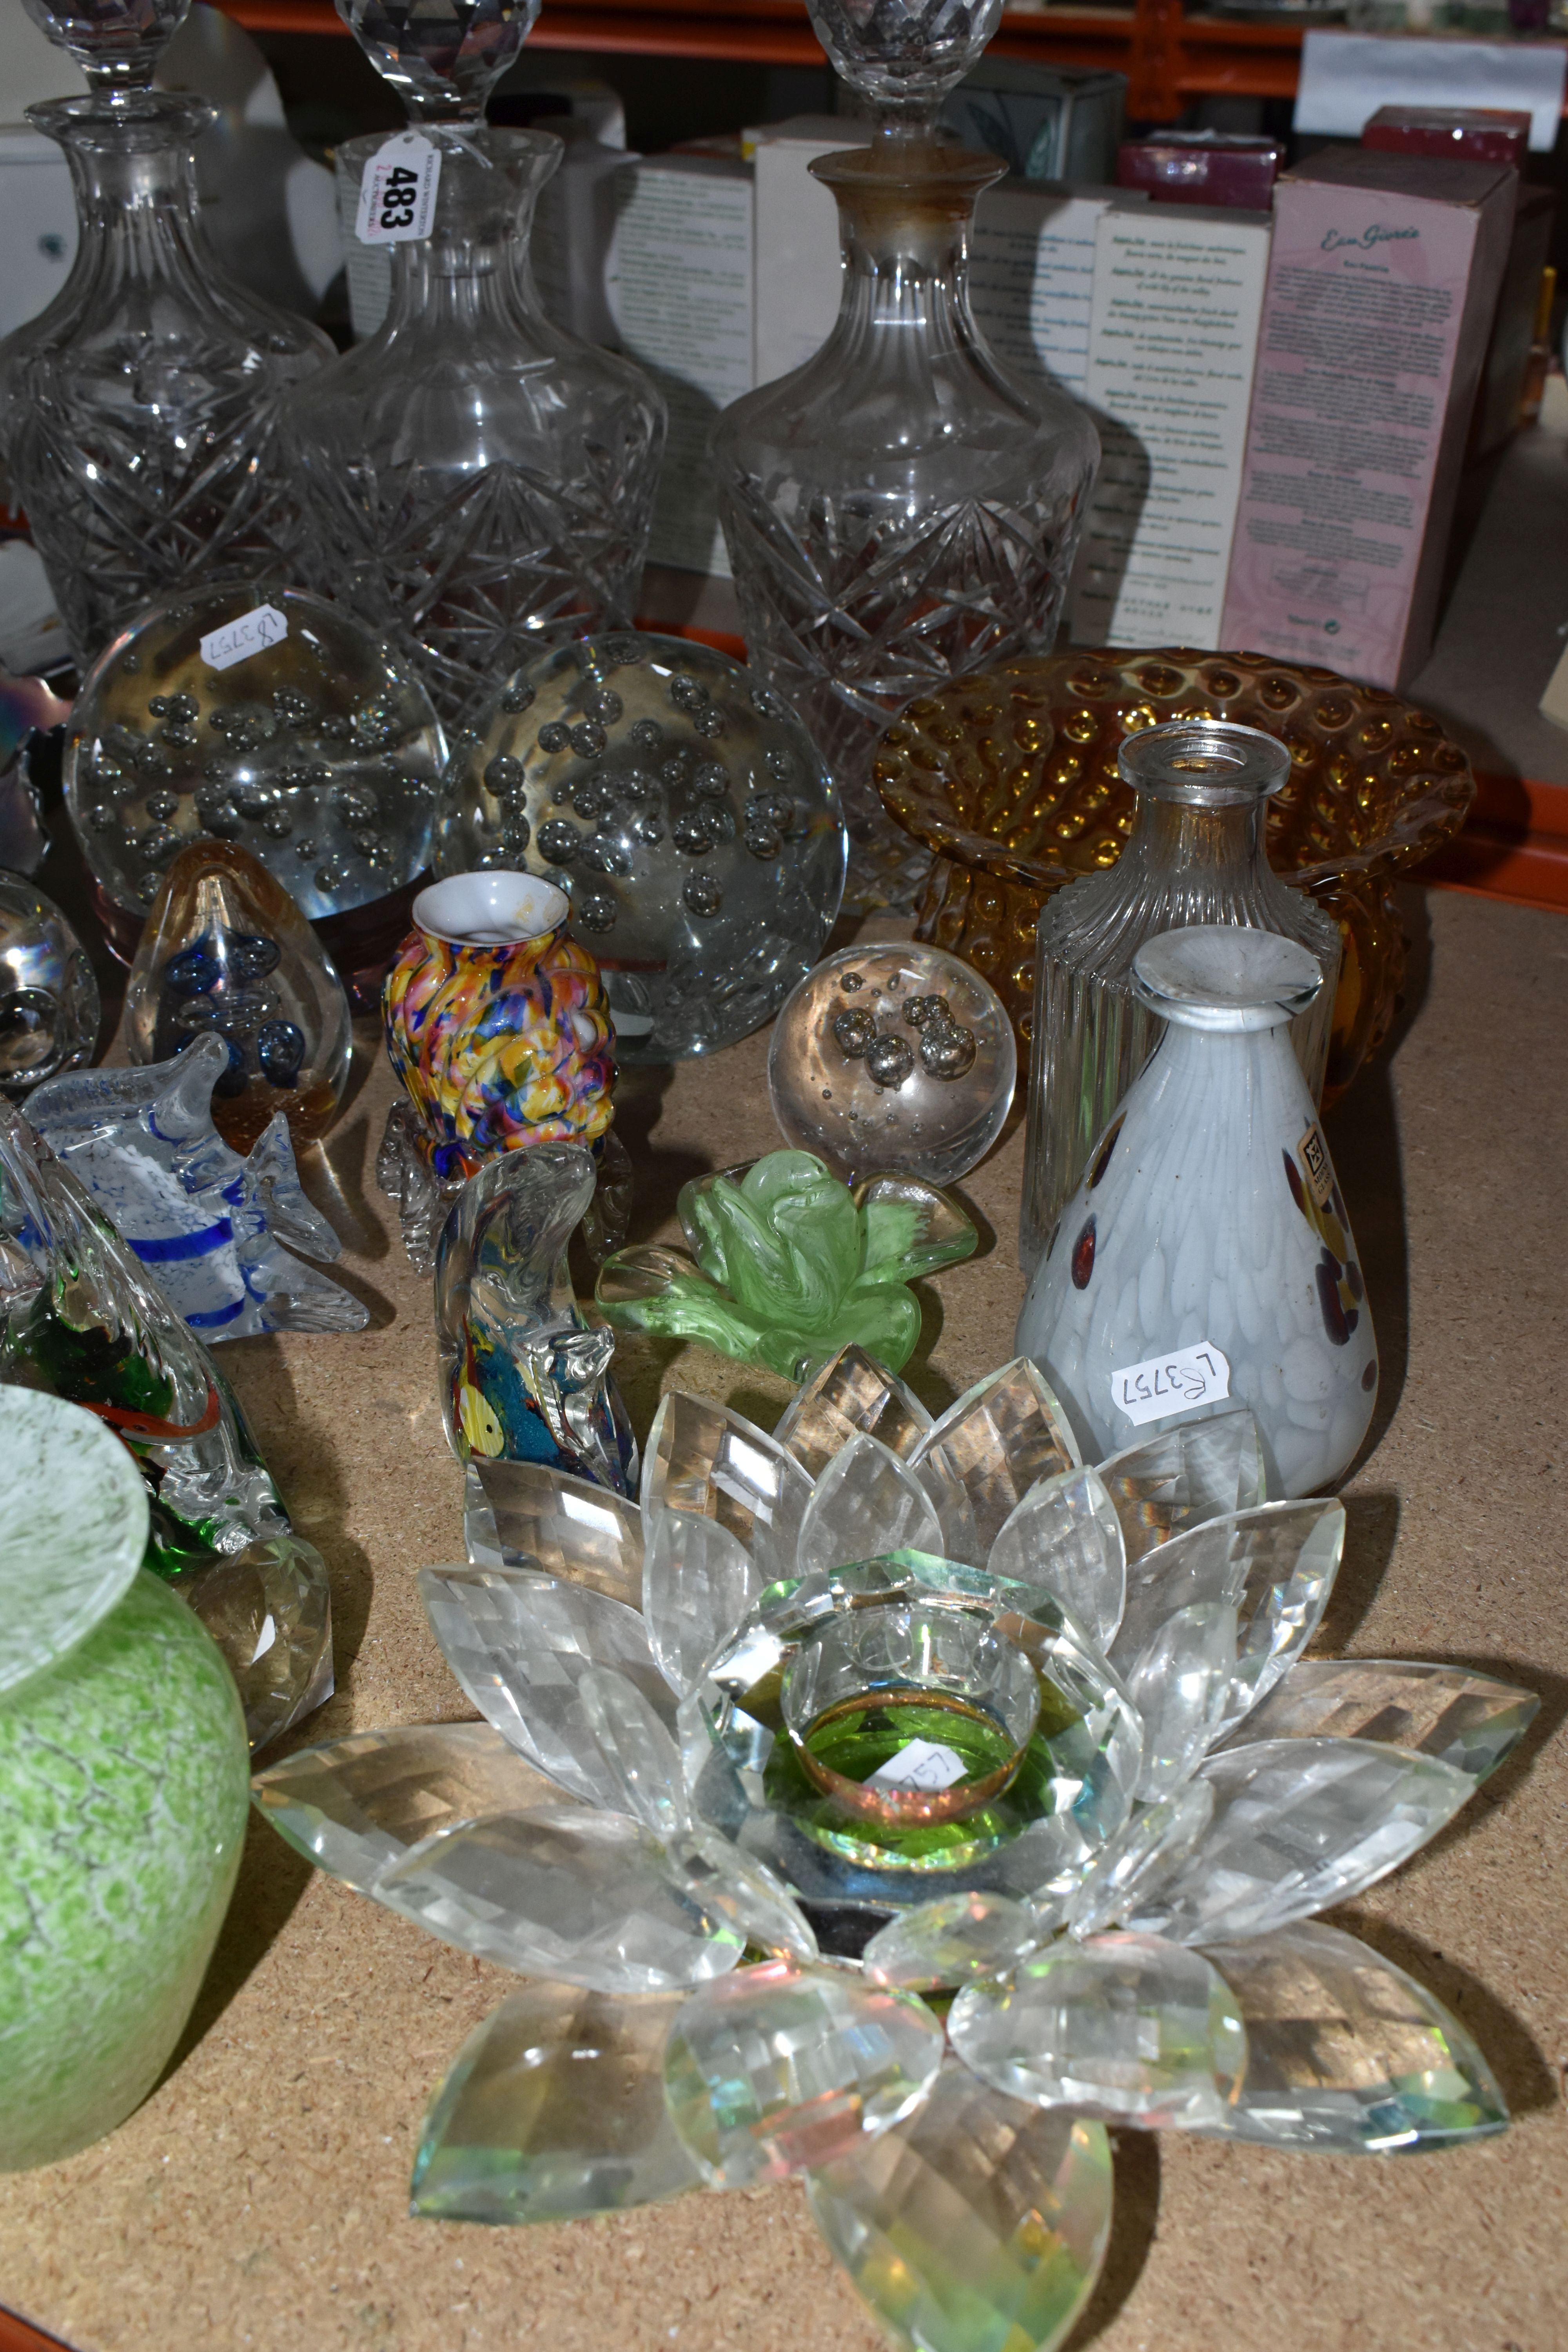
[
  {"x": 682, "y": 810},
  {"x": 49, "y": 1009},
  {"x": 260, "y": 715}
]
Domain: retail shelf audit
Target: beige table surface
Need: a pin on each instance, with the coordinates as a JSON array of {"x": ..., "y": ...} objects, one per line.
[{"x": 259, "y": 2197}]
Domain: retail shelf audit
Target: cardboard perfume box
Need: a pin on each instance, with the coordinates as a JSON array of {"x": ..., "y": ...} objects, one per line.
[{"x": 1382, "y": 285}]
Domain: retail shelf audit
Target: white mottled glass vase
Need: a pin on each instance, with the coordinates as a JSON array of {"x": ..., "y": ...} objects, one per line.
[{"x": 1205, "y": 1259}]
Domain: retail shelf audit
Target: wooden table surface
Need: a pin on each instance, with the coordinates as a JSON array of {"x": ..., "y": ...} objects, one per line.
[{"x": 258, "y": 2198}]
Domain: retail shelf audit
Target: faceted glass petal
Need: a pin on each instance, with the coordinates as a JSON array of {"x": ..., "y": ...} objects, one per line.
[
  {"x": 553, "y": 2108},
  {"x": 779, "y": 2067},
  {"x": 952, "y": 1941},
  {"x": 75, "y": 1528},
  {"x": 851, "y": 1393},
  {"x": 702, "y": 1457},
  {"x": 638, "y": 1751},
  {"x": 697, "y": 1582},
  {"x": 736, "y": 1888},
  {"x": 1347, "y": 2052},
  {"x": 1145, "y": 1853},
  {"x": 564, "y": 1526},
  {"x": 865, "y": 1502},
  {"x": 269, "y": 1609},
  {"x": 1276, "y": 1565},
  {"x": 1467, "y": 1720},
  {"x": 354, "y": 1806},
  {"x": 561, "y": 1892},
  {"x": 1204, "y": 1470},
  {"x": 1180, "y": 1686},
  {"x": 977, "y": 2225},
  {"x": 1298, "y": 1824},
  {"x": 1065, "y": 1536},
  {"x": 518, "y": 1643},
  {"x": 980, "y": 1459},
  {"x": 1122, "y": 2023}
]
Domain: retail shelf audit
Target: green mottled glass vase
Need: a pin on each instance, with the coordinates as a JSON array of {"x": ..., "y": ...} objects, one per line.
[{"x": 124, "y": 1776}]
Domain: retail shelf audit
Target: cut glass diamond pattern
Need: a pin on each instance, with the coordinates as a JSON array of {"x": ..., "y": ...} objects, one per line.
[
  {"x": 866, "y": 1502},
  {"x": 952, "y": 1941},
  {"x": 564, "y": 1526},
  {"x": 1176, "y": 1480},
  {"x": 561, "y": 1892},
  {"x": 702, "y": 1457},
  {"x": 1143, "y": 1855},
  {"x": 1464, "y": 1719},
  {"x": 1126, "y": 2024},
  {"x": 853, "y": 1392},
  {"x": 1066, "y": 1536},
  {"x": 698, "y": 1584},
  {"x": 553, "y": 2108},
  {"x": 976, "y": 2225},
  {"x": 638, "y": 1751},
  {"x": 1347, "y": 2052},
  {"x": 1180, "y": 1686},
  {"x": 979, "y": 1461},
  {"x": 778, "y": 2068}
]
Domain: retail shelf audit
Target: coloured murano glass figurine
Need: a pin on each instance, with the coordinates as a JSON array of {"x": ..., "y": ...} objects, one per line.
[
  {"x": 523, "y": 1379},
  {"x": 787, "y": 1266},
  {"x": 1206, "y": 1257},
  {"x": 124, "y": 1777},
  {"x": 226, "y": 953},
  {"x": 214, "y": 1232}
]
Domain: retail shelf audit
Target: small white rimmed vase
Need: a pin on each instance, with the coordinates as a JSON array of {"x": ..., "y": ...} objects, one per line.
[{"x": 1205, "y": 1259}]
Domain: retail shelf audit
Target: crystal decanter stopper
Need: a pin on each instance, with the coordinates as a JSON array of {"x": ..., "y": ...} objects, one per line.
[
  {"x": 138, "y": 413},
  {"x": 901, "y": 509},
  {"x": 479, "y": 483}
]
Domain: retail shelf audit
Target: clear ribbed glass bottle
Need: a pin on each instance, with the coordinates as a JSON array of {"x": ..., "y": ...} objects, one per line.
[
  {"x": 1196, "y": 855},
  {"x": 139, "y": 413}
]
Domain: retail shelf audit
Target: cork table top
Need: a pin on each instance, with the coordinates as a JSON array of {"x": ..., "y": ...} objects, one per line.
[{"x": 258, "y": 2198}]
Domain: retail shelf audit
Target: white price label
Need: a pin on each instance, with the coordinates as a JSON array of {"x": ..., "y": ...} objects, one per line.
[
  {"x": 397, "y": 194},
  {"x": 1173, "y": 1383},
  {"x": 923, "y": 1764},
  {"x": 237, "y": 640}
]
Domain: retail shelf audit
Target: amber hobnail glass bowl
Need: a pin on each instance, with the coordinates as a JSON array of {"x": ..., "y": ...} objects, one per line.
[{"x": 1010, "y": 777}]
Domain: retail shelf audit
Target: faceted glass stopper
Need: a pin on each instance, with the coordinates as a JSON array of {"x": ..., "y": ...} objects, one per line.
[
  {"x": 258, "y": 715},
  {"x": 117, "y": 43},
  {"x": 225, "y": 952},
  {"x": 444, "y": 56},
  {"x": 904, "y": 55},
  {"x": 49, "y": 1009}
]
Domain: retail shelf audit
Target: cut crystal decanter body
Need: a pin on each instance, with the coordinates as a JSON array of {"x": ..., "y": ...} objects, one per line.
[
  {"x": 138, "y": 413},
  {"x": 1196, "y": 855},
  {"x": 900, "y": 509},
  {"x": 479, "y": 482}
]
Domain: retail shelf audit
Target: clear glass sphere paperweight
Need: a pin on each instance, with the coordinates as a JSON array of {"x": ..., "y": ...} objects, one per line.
[
  {"x": 682, "y": 810},
  {"x": 894, "y": 1056},
  {"x": 49, "y": 1009},
  {"x": 262, "y": 716}
]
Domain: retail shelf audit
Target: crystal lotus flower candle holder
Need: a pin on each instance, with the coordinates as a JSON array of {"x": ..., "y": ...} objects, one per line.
[
  {"x": 1132, "y": 1941},
  {"x": 787, "y": 1266}
]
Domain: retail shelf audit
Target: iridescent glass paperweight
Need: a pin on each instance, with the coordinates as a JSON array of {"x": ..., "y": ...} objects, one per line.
[
  {"x": 1207, "y": 1256},
  {"x": 478, "y": 482},
  {"x": 684, "y": 811},
  {"x": 124, "y": 1775},
  {"x": 49, "y": 1009},
  {"x": 260, "y": 716},
  {"x": 900, "y": 509},
  {"x": 139, "y": 412},
  {"x": 1197, "y": 854},
  {"x": 225, "y": 953}
]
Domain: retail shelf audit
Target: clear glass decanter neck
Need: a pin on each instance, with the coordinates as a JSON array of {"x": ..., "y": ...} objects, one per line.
[
  {"x": 906, "y": 212},
  {"x": 474, "y": 268},
  {"x": 132, "y": 166},
  {"x": 1191, "y": 837}
]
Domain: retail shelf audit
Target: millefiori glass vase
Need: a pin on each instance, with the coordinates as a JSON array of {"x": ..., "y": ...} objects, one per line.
[
  {"x": 1206, "y": 1258},
  {"x": 901, "y": 509},
  {"x": 1196, "y": 855},
  {"x": 479, "y": 482},
  {"x": 139, "y": 412}
]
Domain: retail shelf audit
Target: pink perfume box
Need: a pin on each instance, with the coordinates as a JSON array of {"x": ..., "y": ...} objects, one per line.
[{"x": 1382, "y": 284}]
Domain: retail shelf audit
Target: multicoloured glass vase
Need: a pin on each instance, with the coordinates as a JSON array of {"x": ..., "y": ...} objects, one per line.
[
  {"x": 496, "y": 1024},
  {"x": 228, "y": 953},
  {"x": 523, "y": 1378},
  {"x": 124, "y": 1782},
  {"x": 1205, "y": 1259}
]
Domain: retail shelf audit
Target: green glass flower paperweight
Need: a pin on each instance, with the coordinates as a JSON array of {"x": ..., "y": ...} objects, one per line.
[
  {"x": 787, "y": 1266},
  {"x": 124, "y": 1773}
]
